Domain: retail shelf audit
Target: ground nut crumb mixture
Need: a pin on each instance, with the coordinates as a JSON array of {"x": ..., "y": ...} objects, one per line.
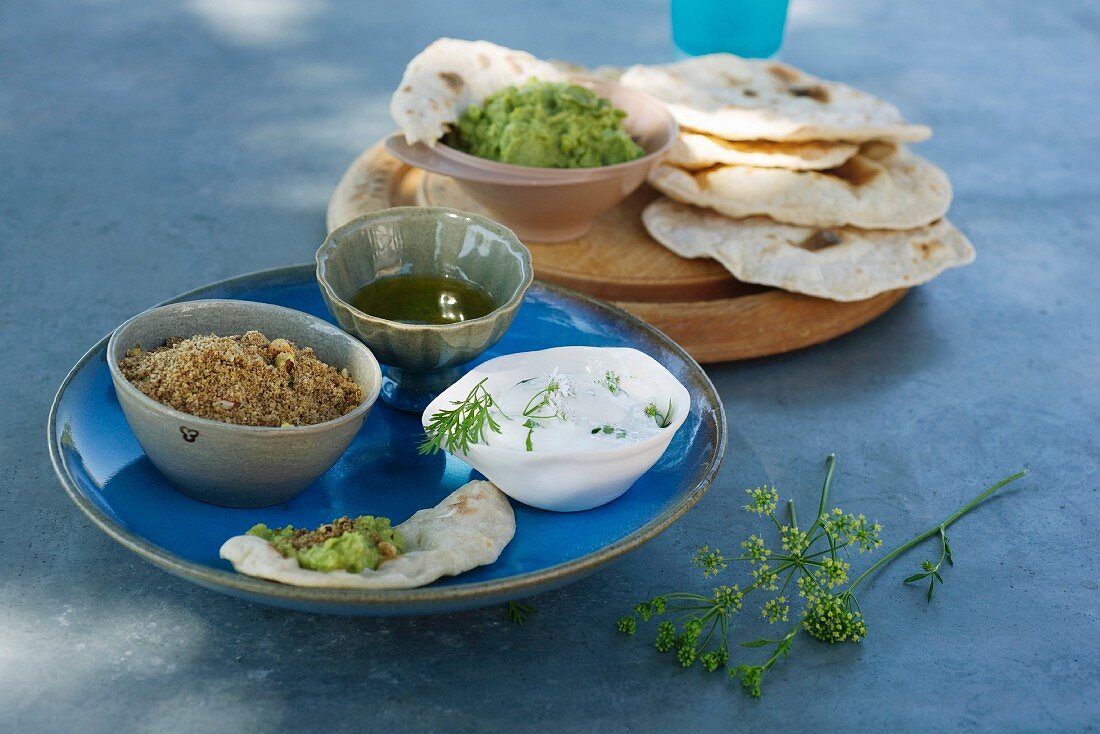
[{"x": 245, "y": 380}]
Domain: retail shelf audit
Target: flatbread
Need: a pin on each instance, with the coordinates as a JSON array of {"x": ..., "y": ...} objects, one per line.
[
  {"x": 882, "y": 187},
  {"x": 468, "y": 529},
  {"x": 610, "y": 73},
  {"x": 450, "y": 75},
  {"x": 749, "y": 99},
  {"x": 842, "y": 264},
  {"x": 695, "y": 151}
]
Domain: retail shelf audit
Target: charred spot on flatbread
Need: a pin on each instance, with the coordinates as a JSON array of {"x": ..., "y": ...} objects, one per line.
[
  {"x": 759, "y": 146},
  {"x": 815, "y": 92},
  {"x": 855, "y": 171},
  {"x": 821, "y": 239},
  {"x": 783, "y": 73},
  {"x": 452, "y": 80},
  {"x": 927, "y": 248},
  {"x": 701, "y": 176},
  {"x": 461, "y": 506},
  {"x": 749, "y": 92}
]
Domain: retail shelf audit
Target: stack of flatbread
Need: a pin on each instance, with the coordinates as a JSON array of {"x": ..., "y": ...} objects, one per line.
[{"x": 796, "y": 182}]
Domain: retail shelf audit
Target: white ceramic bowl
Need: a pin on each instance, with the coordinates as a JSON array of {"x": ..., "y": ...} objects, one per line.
[{"x": 567, "y": 481}]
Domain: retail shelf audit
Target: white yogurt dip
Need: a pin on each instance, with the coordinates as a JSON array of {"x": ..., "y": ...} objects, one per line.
[
  {"x": 589, "y": 410},
  {"x": 576, "y": 426}
]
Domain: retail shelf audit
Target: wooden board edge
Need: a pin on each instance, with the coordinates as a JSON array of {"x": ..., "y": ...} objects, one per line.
[{"x": 695, "y": 325}]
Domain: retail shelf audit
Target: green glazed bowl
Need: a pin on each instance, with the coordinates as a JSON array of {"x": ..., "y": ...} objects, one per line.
[{"x": 421, "y": 360}]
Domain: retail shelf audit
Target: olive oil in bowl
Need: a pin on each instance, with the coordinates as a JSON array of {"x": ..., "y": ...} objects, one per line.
[{"x": 423, "y": 299}]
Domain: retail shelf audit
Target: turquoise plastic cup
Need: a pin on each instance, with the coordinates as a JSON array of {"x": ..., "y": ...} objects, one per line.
[{"x": 752, "y": 28}]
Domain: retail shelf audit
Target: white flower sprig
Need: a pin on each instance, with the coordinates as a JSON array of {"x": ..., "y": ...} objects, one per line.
[
  {"x": 549, "y": 403},
  {"x": 612, "y": 381}
]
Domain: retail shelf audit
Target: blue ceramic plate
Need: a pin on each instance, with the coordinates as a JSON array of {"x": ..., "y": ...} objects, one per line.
[{"x": 103, "y": 469}]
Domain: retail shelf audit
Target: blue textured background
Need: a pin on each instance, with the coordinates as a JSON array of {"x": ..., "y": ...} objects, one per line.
[{"x": 150, "y": 147}]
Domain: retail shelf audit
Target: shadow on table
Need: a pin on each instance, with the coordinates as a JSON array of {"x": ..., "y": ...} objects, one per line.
[{"x": 873, "y": 359}]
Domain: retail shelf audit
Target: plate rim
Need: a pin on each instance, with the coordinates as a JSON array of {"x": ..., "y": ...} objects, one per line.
[{"x": 516, "y": 586}]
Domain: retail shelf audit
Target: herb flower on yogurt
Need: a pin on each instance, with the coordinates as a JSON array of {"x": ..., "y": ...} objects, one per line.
[
  {"x": 548, "y": 404},
  {"x": 611, "y": 381}
]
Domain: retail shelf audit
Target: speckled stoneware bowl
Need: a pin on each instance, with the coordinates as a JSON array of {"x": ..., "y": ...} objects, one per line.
[
  {"x": 226, "y": 464},
  {"x": 421, "y": 360}
]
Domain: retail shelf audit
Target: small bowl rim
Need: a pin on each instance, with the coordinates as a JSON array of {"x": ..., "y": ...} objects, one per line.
[
  {"x": 533, "y": 175},
  {"x": 365, "y": 404},
  {"x": 513, "y": 302},
  {"x": 636, "y": 447}
]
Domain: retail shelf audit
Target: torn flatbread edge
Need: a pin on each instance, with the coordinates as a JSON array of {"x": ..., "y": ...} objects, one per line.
[{"x": 693, "y": 232}]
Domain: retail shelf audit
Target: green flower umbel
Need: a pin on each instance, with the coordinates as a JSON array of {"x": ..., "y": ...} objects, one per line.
[{"x": 809, "y": 567}]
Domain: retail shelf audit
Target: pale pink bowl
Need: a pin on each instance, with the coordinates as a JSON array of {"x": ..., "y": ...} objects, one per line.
[{"x": 553, "y": 204}]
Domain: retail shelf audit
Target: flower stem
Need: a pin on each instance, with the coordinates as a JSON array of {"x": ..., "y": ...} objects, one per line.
[
  {"x": 934, "y": 529},
  {"x": 779, "y": 647},
  {"x": 830, "y": 468}
]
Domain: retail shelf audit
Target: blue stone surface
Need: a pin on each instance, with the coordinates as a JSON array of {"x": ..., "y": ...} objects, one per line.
[{"x": 149, "y": 147}]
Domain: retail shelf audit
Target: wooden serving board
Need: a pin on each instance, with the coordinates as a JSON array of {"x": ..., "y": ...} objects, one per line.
[{"x": 696, "y": 302}]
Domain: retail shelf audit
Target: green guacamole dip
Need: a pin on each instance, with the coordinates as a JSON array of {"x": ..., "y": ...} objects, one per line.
[
  {"x": 545, "y": 124},
  {"x": 347, "y": 544}
]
